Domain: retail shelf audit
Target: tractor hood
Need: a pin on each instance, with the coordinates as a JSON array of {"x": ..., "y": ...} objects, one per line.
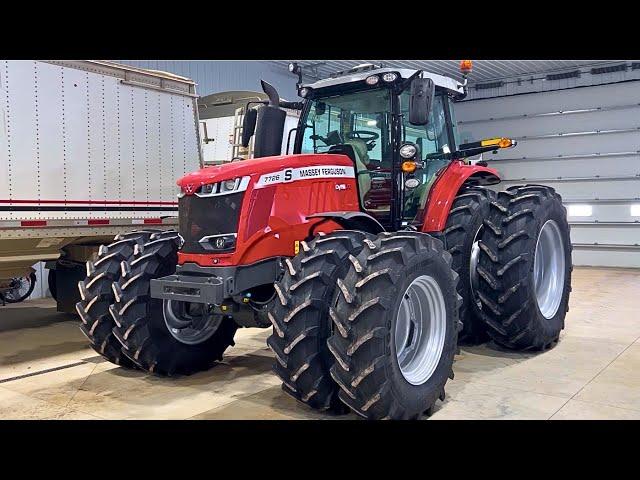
[{"x": 257, "y": 168}]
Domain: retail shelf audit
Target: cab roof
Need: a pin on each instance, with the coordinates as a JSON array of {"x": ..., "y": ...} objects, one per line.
[{"x": 360, "y": 73}]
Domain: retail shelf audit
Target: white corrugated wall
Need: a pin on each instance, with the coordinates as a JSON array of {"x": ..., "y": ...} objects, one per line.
[{"x": 585, "y": 142}]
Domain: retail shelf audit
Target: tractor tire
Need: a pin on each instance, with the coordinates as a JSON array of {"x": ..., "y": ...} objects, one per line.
[
  {"x": 96, "y": 294},
  {"x": 390, "y": 362},
  {"x": 461, "y": 234},
  {"x": 525, "y": 268},
  {"x": 139, "y": 319},
  {"x": 300, "y": 317}
]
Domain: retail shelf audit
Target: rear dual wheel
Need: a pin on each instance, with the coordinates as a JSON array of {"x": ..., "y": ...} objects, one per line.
[
  {"x": 524, "y": 269},
  {"x": 368, "y": 322},
  {"x": 462, "y": 233},
  {"x": 396, "y": 327}
]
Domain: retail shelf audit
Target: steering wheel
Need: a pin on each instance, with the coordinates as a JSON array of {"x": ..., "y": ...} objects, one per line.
[{"x": 364, "y": 135}]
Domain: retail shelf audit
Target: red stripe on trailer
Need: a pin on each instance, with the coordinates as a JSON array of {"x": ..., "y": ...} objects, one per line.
[
  {"x": 152, "y": 221},
  {"x": 98, "y": 222},
  {"x": 33, "y": 223}
]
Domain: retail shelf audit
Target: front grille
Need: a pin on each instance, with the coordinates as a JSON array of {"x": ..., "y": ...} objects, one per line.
[{"x": 203, "y": 217}]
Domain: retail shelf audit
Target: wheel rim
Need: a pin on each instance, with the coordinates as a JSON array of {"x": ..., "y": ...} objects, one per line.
[
  {"x": 174, "y": 315},
  {"x": 19, "y": 290},
  {"x": 421, "y": 325},
  {"x": 473, "y": 264},
  {"x": 549, "y": 269}
]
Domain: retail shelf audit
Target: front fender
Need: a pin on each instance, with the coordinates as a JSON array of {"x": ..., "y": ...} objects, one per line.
[
  {"x": 352, "y": 220},
  {"x": 446, "y": 188}
]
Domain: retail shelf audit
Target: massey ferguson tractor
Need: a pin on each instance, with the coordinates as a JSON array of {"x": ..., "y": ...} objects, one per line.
[{"x": 368, "y": 251}]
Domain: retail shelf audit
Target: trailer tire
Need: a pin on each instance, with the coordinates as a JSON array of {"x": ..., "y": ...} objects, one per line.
[
  {"x": 97, "y": 295},
  {"x": 53, "y": 287},
  {"x": 140, "y": 326},
  {"x": 376, "y": 379},
  {"x": 469, "y": 210},
  {"x": 524, "y": 249},
  {"x": 32, "y": 279},
  {"x": 300, "y": 317}
]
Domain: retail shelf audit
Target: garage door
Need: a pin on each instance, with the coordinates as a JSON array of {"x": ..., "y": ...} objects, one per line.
[{"x": 584, "y": 142}]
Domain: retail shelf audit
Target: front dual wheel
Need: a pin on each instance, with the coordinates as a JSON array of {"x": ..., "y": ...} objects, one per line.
[
  {"x": 130, "y": 328},
  {"x": 377, "y": 327}
]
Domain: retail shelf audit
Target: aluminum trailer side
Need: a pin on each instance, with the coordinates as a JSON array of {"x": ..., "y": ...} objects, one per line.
[{"x": 88, "y": 149}]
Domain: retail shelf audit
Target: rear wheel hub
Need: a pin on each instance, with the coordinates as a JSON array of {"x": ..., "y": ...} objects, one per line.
[
  {"x": 420, "y": 330},
  {"x": 549, "y": 269}
]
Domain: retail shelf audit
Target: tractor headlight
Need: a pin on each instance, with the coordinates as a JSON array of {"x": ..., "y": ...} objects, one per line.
[
  {"x": 408, "y": 150},
  {"x": 224, "y": 187},
  {"x": 208, "y": 189},
  {"x": 228, "y": 185},
  {"x": 372, "y": 80},
  {"x": 389, "y": 77}
]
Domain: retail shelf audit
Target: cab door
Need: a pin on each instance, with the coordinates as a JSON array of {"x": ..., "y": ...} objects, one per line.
[{"x": 432, "y": 140}]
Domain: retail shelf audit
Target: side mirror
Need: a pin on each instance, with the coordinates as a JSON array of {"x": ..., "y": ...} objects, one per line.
[
  {"x": 248, "y": 126},
  {"x": 422, "y": 93}
]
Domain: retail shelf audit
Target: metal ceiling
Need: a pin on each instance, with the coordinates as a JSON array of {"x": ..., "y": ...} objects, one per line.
[{"x": 483, "y": 70}]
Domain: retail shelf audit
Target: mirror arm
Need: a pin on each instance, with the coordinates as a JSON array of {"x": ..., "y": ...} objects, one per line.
[
  {"x": 463, "y": 153},
  {"x": 291, "y": 105}
]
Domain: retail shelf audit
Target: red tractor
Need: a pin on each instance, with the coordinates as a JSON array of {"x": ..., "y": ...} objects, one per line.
[{"x": 369, "y": 250}]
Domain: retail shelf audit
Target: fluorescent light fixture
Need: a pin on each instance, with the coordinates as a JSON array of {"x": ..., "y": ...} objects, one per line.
[
  {"x": 580, "y": 210},
  {"x": 635, "y": 210}
]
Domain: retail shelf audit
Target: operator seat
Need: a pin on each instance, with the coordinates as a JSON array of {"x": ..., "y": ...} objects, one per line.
[
  {"x": 361, "y": 160},
  {"x": 358, "y": 156}
]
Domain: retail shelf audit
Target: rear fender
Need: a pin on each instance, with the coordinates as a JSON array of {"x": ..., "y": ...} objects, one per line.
[{"x": 446, "y": 188}]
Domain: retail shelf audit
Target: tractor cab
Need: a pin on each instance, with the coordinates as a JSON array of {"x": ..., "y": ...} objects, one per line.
[
  {"x": 396, "y": 125},
  {"x": 365, "y": 113}
]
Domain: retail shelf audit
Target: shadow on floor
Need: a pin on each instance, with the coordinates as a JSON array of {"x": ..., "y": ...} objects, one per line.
[
  {"x": 44, "y": 351},
  {"x": 19, "y": 317}
]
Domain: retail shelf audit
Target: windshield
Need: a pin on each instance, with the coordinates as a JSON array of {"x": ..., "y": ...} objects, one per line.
[
  {"x": 359, "y": 119},
  {"x": 359, "y": 125}
]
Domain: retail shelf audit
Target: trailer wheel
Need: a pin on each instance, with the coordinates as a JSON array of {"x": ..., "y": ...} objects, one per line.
[
  {"x": 525, "y": 268},
  {"x": 96, "y": 294},
  {"x": 461, "y": 235},
  {"x": 142, "y": 323},
  {"x": 396, "y": 319},
  {"x": 300, "y": 317},
  {"x": 22, "y": 288}
]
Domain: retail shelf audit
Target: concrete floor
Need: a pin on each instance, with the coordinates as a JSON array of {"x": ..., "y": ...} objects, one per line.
[{"x": 47, "y": 370}]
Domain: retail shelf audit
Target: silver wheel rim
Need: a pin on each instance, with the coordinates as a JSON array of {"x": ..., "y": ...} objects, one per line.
[
  {"x": 189, "y": 336},
  {"x": 420, "y": 330},
  {"x": 473, "y": 264},
  {"x": 20, "y": 290},
  {"x": 549, "y": 269}
]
